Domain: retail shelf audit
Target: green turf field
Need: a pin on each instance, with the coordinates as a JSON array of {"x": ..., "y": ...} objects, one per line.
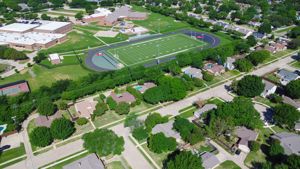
[{"x": 155, "y": 48}]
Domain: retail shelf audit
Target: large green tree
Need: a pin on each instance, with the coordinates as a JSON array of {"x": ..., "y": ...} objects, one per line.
[
  {"x": 41, "y": 137},
  {"x": 159, "y": 143},
  {"x": 104, "y": 142},
  {"x": 122, "y": 108},
  {"x": 286, "y": 115},
  {"x": 62, "y": 128},
  {"x": 243, "y": 65},
  {"x": 250, "y": 86},
  {"x": 46, "y": 107},
  {"x": 154, "y": 119},
  {"x": 258, "y": 57},
  {"x": 293, "y": 89},
  {"x": 184, "y": 160}
]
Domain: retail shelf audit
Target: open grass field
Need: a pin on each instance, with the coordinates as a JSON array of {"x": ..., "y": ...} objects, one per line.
[
  {"x": 45, "y": 77},
  {"x": 159, "y": 23},
  {"x": 155, "y": 48},
  {"x": 228, "y": 165},
  {"x": 77, "y": 40}
]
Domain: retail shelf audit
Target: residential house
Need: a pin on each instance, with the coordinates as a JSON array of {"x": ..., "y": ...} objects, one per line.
[
  {"x": 258, "y": 35},
  {"x": 167, "y": 129},
  {"x": 46, "y": 121},
  {"x": 288, "y": 100},
  {"x": 209, "y": 160},
  {"x": 289, "y": 141},
  {"x": 254, "y": 23},
  {"x": 229, "y": 64},
  {"x": 123, "y": 97},
  {"x": 286, "y": 76},
  {"x": 214, "y": 68},
  {"x": 88, "y": 162},
  {"x": 270, "y": 88},
  {"x": 142, "y": 88},
  {"x": 193, "y": 72},
  {"x": 245, "y": 135},
  {"x": 55, "y": 58},
  {"x": 85, "y": 108},
  {"x": 205, "y": 108}
]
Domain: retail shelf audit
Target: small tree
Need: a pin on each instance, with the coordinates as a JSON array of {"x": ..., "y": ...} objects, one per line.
[
  {"x": 275, "y": 148},
  {"x": 131, "y": 120},
  {"x": 41, "y": 137},
  {"x": 62, "y": 128},
  {"x": 112, "y": 104},
  {"x": 79, "y": 15},
  {"x": 62, "y": 105},
  {"x": 153, "y": 119},
  {"x": 104, "y": 142},
  {"x": 254, "y": 146},
  {"x": 101, "y": 108},
  {"x": 159, "y": 143},
  {"x": 243, "y": 65},
  {"x": 183, "y": 160},
  {"x": 140, "y": 133},
  {"x": 198, "y": 82},
  {"x": 258, "y": 57},
  {"x": 123, "y": 108},
  {"x": 286, "y": 115},
  {"x": 46, "y": 107},
  {"x": 293, "y": 89},
  {"x": 207, "y": 76}
]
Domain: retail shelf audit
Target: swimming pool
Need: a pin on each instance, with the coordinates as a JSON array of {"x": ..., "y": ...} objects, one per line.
[{"x": 138, "y": 87}]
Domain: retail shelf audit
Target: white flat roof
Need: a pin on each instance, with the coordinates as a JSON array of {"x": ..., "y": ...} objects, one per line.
[
  {"x": 18, "y": 27},
  {"x": 52, "y": 26},
  {"x": 54, "y": 56},
  {"x": 29, "y": 38}
]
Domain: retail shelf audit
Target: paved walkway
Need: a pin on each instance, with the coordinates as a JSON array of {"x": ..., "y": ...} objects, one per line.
[{"x": 17, "y": 65}]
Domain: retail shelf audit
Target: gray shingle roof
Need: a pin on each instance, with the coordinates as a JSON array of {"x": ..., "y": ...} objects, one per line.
[
  {"x": 289, "y": 141},
  {"x": 89, "y": 162},
  {"x": 287, "y": 75},
  {"x": 167, "y": 129}
]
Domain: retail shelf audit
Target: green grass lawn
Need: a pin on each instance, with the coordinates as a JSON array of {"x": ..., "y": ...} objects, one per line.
[
  {"x": 215, "y": 101},
  {"x": 188, "y": 113},
  {"x": 228, "y": 165},
  {"x": 296, "y": 65},
  {"x": 115, "y": 165},
  {"x": 77, "y": 40},
  {"x": 61, "y": 165},
  {"x": 119, "y": 38},
  {"x": 159, "y": 23},
  {"x": 106, "y": 118},
  {"x": 148, "y": 50},
  {"x": 12, "y": 153},
  {"x": 3, "y": 67},
  {"x": 273, "y": 78},
  {"x": 68, "y": 60},
  {"x": 45, "y": 77},
  {"x": 158, "y": 158}
]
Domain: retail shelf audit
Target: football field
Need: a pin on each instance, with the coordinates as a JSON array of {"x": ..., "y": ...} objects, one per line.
[{"x": 155, "y": 48}]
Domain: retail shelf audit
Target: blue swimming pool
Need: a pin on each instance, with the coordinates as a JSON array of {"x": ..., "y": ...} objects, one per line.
[{"x": 138, "y": 87}]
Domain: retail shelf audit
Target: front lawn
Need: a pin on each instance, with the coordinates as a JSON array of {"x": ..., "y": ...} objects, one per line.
[
  {"x": 12, "y": 153},
  {"x": 62, "y": 164},
  {"x": 296, "y": 64},
  {"x": 158, "y": 158},
  {"x": 228, "y": 165},
  {"x": 115, "y": 165}
]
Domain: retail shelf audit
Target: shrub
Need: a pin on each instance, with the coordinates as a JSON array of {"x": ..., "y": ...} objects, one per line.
[
  {"x": 254, "y": 146},
  {"x": 275, "y": 98},
  {"x": 41, "y": 137},
  {"x": 82, "y": 121},
  {"x": 101, "y": 108},
  {"x": 198, "y": 82}
]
